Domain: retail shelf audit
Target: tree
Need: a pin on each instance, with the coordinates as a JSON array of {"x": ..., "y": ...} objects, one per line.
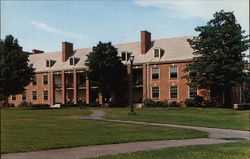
[
  {"x": 105, "y": 68},
  {"x": 15, "y": 72},
  {"x": 218, "y": 51}
]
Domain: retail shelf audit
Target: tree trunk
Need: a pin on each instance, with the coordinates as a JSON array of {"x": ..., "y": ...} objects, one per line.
[
  {"x": 5, "y": 100},
  {"x": 227, "y": 101}
]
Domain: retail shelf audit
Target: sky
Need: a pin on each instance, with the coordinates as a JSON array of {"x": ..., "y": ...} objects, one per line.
[{"x": 43, "y": 25}]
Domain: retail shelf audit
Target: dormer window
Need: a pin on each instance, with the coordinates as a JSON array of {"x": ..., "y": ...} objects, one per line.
[
  {"x": 50, "y": 63},
  {"x": 158, "y": 52},
  {"x": 73, "y": 60},
  {"x": 126, "y": 56}
]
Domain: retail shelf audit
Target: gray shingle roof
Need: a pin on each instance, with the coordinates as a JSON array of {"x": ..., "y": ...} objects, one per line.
[{"x": 174, "y": 49}]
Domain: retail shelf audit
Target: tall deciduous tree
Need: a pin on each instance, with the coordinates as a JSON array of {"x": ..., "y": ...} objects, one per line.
[
  {"x": 219, "y": 51},
  {"x": 15, "y": 72},
  {"x": 105, "y": 67}
]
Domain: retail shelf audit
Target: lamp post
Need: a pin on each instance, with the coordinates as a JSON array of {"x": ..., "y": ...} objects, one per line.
[{"x": 131, "y": 59}]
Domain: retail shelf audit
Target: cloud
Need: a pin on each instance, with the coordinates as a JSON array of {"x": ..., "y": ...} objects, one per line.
[
  {"x": 47, "y": 28},
  {"x": 204, "y": 9}
]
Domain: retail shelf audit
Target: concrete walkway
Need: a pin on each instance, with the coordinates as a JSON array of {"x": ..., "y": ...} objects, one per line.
[{"x": 216, "y": 136}]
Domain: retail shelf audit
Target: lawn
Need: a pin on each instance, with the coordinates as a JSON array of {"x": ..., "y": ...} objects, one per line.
[
  {"x": 31, "y": 130},
  {"x": 238, "y": 150},
  {"x": 205, "y": 117}
]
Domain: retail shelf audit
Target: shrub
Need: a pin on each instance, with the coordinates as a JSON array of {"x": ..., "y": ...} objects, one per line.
[
  {"x": 40, "y": 106},
  {"x": 174, "y": 104},
  {"x": 198, "y": 100},
  {"x": 189, "y": 102},
  {"x": 24, "y": 104},
  {"x": 149, "y": 102}
]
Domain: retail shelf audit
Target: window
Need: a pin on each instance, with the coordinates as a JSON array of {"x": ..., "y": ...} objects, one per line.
[
  {"x": 45, "y": 95},
  {"x": 155, "y": 73},
  {"x": 192, "y": 74},
  {"x": 34, "y": 95},
  {"x": 155, "y": 92},
  {"x": 45, "y": 79},
  {"x": 73, "y": 60},
  {"x": 173, "y": 72},
  {"x": 34, "y": 80},
  {"x": 13, "y": 97},
  {"x": 123, "y": 56},
  {"x": 24, "y": 95},
  {"x": 50, "y": 63},
  {"x": 173, "y": 92},
  {"x": 192, "y": 91},
  {"x": 156, "y": 53}
]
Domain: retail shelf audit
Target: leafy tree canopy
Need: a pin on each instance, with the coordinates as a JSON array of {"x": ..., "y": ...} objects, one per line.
[
  {"x": 105, "y": 67},
  {"x": 15, "y": 72},
  {"x": 219, "y": 51}
]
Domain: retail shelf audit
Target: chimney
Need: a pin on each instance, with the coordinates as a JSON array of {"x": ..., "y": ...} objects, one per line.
[
  {"x": 67, "y": 50},
  {"x": 145, "y": 41},
  {"x": 34, "y": 51}
]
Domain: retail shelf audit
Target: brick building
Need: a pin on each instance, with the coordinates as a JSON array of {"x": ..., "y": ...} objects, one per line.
[{"x": 158, "y": 73}]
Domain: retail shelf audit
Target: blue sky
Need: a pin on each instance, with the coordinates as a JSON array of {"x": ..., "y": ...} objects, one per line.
[{"x": 45, "y": 24}]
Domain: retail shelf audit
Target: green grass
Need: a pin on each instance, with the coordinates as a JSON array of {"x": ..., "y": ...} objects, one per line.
[
  {"x": 31, "y": 130},
  {"x": 238, "y": 150},
  {"x": 205, "y": 117}
]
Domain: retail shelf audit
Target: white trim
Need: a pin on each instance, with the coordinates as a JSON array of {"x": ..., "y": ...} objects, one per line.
[
  {"x": 189, "y": 91},
  {"x": 177, "y": 91},
  {"x": 152, "y": 92},
  {"x": 158, "y": 73},
  {"x": 176, "y": 72}
]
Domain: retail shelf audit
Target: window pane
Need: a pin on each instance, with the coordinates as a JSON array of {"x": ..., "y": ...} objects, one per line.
[
  {"x": 192, "y": 91},
  {"x": 34, "y": 80},
  {"x": 47, "y": 63},
  {"x": 45, "y": 95},
  {"x": 13, "y": 97},
  {"x": 123, "y": 56},
  {"x": 71, "y": 61},
  {"x": 155, "y": 73},
  {"x": 34, "y": 95},
  {"x": 173, "y": 92},
  {"x": 155, "y": 92},
  {"x": 173, "y": 72},
  {"x": 24, "y": 96},
  {"x": 156, "y": 53},
  {"x": 45, "y": 79}
]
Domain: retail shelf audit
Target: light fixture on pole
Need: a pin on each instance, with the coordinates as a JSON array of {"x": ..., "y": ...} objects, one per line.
[{"x": 131, "y": 59}]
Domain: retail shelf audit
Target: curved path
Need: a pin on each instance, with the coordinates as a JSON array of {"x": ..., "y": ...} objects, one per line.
[{"x": 216, "y": 135}]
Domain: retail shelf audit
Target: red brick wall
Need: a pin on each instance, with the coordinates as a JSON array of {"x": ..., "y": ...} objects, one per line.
[
  {"x": 39, "y": 88},
  {"x": 164, "y": 82}
]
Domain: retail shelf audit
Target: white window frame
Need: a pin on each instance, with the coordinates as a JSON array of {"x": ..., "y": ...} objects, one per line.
[
  {"x": 44, "y": 95},
  {"x": 47, "y": 79},
  {"x": 33, "y": 95},
  {"x": 159, "y": 53},
  {"x": 158, "y": 92},
  {"x": 189, "y": 92},
  {"x": 152, "y": 73},
  {"x": 170, "y": 92},
  {"x": 176, "y": 72}
]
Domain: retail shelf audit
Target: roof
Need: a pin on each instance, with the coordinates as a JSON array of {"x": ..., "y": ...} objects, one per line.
[{"x": 174, "y": 49}]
